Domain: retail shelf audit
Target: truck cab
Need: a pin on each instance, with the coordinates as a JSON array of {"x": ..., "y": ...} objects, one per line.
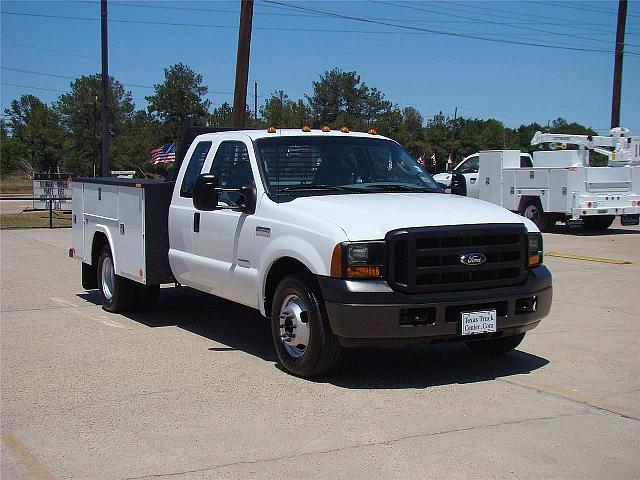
[
  {"x": 339, "y": 238},
  {"x": 469, "y": 167}
]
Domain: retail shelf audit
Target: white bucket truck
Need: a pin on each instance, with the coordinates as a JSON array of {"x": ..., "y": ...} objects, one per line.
[{"x": 561, "y": 185}]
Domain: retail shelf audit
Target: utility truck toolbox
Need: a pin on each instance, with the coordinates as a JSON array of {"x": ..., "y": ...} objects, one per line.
[{"x": 339, "y": 238}]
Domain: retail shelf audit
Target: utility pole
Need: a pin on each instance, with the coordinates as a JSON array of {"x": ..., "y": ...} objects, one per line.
[
  {"x": 617, "y": 68},
  {"x": 255, "y": 101},
  {"x": 105, "y": 92},
  {"x": 242, "y": 64}
]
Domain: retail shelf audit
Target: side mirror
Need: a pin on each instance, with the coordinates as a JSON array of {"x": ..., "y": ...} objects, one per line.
[
  {"x": 205, "y": 193},
  {"x": 458, "y": 184}
]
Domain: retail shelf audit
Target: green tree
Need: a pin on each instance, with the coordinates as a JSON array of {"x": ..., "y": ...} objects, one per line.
[
  {"x": 11, "y": 151},
  {"x": 36, "y": 128},
  {"x": 181, "y": 95},
  {"x": 132, "y": 148},
  {"x": 338, "y": 98},
  {"x": 81, "y": 111},
  {"x": 280, "y": 111}
]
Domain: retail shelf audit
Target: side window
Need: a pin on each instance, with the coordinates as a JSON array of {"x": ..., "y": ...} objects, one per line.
[
  {"x": 470, "y": 166},
  {"x": 525, "y": 161},
  {"x": 232, "y": 168},
  {"x": 194, "y": 168}
]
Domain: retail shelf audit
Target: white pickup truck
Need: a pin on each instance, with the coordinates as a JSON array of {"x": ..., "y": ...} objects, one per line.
[{"x": 340, "y": 238}]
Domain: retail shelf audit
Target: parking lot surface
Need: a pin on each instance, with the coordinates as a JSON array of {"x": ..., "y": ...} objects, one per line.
[{"x": 190, "y": 390}]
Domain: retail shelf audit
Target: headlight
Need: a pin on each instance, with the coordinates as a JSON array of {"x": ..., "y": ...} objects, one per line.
[
  {"x": 534, "y": 249},
  {"x": 358, "y": 260}
]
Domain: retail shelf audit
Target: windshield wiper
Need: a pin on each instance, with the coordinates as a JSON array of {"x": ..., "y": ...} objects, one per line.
[
  {"x": 399, "y": 187},
  {"x": 316, "y": 186}
]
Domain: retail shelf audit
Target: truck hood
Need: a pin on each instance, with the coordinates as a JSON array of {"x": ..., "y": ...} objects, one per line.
[{"x": 370, "y": 216}]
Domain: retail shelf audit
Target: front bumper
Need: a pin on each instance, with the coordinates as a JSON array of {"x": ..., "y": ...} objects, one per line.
[{"x": 371, "y": 313}]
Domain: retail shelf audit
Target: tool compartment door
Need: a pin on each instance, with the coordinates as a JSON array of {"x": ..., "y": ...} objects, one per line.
[{"x": 129, "y": 236}]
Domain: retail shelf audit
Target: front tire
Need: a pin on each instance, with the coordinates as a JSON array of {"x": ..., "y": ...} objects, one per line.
[
  {"x": 495, "y": 346},
  {"x": 533, "y": 211},
  {"x": 305, "y": 345},
  {"x": 116, "y": 292},
  {"x": 600, "y": 222}
]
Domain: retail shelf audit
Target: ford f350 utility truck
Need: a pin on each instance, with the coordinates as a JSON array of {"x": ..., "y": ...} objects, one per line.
[{"x": 340, "y": 238}]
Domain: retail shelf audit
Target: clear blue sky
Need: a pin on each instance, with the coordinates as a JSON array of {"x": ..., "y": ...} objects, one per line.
[{"x": 291, "y": 46}]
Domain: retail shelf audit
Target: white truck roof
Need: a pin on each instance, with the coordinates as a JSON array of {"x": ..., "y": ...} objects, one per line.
[{"x": 289, "y": 132}]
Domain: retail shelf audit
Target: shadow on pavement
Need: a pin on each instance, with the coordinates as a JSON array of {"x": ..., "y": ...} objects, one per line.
[
  {"x": 241, "y": 328},
  {"x": 581, "y": 232}
]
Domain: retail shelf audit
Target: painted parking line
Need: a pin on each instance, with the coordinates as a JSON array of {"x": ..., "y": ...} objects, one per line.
[
  {"x": 587, "y": 259},
  {"x": 35, "y": 468}
]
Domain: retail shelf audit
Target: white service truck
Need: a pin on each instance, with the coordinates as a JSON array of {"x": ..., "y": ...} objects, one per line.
[
  {"x": 340, "y": 238},
  {"x": 560, "y": 185},
  {"x": 468, "y": 168}
]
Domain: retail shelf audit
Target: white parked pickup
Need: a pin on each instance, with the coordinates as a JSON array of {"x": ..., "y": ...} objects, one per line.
[{"x": 340, "y": 238}]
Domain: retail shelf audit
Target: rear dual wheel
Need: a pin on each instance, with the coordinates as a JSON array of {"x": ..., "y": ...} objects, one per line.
[
  {"x": 119, "y": 294},
  {"x": 600, "y": 222}
]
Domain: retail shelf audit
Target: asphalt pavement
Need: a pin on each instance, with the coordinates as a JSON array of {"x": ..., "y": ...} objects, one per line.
[{"x": 190, "y": 390}]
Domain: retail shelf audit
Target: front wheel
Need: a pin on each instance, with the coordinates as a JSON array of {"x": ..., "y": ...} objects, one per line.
[
  {"x": 533, "y": 211},
  {"x": 305, "y": 345},
  {"x": 495, "y": 346}
]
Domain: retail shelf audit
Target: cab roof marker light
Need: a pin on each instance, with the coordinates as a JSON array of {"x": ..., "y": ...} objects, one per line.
[
  {"x": 306, "y": 129},
  {"x": 372, "y": 131},
  {"x": 344, "y": 130},
  {"x": 271, "y": 130},
  {"x": 326, "y": 128}
]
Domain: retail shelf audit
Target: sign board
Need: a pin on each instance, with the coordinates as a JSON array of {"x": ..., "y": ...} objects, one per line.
[
  {"x": 52, "y": 185},
  {"x": 123, "y": 173}
]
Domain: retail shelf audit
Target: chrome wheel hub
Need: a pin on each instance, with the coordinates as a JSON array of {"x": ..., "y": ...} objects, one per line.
[
  {"x": 108, "y": 278},
  {"x": 294, "y": 326},
  {"x": 532, "y": 213}
]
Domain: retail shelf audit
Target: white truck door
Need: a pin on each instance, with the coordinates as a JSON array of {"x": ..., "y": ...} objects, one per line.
[
  {"x": 469, "y": 169},
  {"x": 183, "y": 216},
  {"x": 223, "y": 247}
]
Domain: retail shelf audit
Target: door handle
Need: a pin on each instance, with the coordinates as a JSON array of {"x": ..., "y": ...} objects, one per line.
[
  {"x": 196, "y": 222},
  {"x": 473, "y": 180}
]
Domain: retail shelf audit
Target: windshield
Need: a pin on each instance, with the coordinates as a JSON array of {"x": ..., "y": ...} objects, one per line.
[{"x": 334, "y": 165}]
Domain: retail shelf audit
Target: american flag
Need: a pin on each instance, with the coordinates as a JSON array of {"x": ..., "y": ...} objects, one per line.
[
  {"x": 433, "y": 159},
  {"x": 164, "y": 154},
  {"x": 421, "y": 161}
]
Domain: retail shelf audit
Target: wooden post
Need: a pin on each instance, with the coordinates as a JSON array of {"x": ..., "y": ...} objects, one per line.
[
  {"x": 242, "y": 64},
  {"x": 104, "y": 170},
  {"x": 617, "y": 68}
]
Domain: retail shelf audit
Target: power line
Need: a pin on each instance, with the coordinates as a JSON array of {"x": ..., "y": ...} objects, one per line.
[
  {"x": 134, "y": 85},
  {"x": 450, "y": 34},
  {"x": 51, "y": 89},
  {"x": 512, "y": 14},
  {"x": 493, "y": 22},
  {"x": 408, "y": 29},
  {"x": 553, "y": 4}
]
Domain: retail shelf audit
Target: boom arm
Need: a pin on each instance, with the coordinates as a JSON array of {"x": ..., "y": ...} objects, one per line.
[{"x": 622, "y": 146}]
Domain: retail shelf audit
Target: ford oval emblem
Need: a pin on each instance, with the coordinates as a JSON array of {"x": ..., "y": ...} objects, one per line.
[{"x": 473, "y": 259}]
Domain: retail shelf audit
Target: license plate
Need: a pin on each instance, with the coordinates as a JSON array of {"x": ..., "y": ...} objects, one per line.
[{"x": 478, "y": 322}]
